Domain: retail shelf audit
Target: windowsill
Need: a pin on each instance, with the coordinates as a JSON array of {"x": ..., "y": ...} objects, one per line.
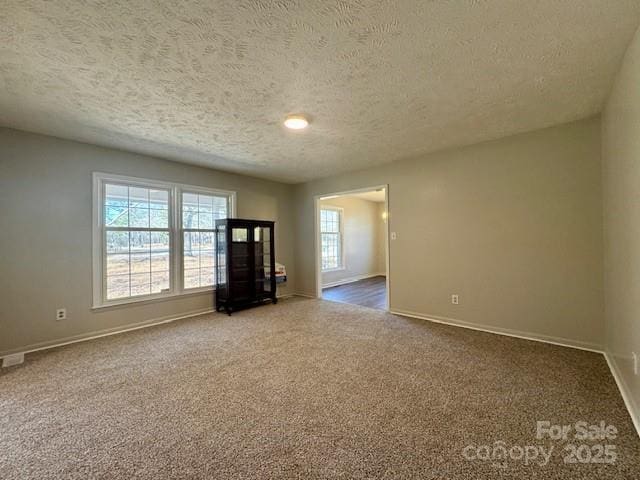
[
  {"x": 146, "y": 300},
  {"x": 337, "y": 269}
]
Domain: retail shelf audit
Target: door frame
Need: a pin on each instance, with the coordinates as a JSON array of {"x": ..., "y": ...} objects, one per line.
[{"x": 318, "y": 250}]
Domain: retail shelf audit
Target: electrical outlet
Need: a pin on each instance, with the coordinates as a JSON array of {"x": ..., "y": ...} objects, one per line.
[
  {"x": 635, "y": 362},
  {"x": 454, "y": 299},
  {"x": 61, "y": 314}
]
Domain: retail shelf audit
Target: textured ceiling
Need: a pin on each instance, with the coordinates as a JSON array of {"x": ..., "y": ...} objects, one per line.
[{"x": 209, "y": 82}]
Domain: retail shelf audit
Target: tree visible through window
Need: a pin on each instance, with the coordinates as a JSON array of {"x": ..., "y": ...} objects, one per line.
[{"x": 331, "y": 236}]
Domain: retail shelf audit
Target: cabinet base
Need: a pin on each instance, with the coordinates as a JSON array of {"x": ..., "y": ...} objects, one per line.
[{"x": 229, "y": 308}]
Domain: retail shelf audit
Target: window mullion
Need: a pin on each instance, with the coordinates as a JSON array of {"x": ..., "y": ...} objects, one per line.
[{"x": 176, "y": 273}]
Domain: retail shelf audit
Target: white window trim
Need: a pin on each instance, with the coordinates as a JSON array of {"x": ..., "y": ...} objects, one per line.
[
  {"x": 342, "y": 265},
  {"x": 176, "y": 288}
]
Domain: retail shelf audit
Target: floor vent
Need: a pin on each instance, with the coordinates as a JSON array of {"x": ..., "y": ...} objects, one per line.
[{"x": 11, "y": 360}]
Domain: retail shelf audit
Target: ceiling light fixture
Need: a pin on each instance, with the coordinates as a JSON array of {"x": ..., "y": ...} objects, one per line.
[{"x": 296, "y": 122}]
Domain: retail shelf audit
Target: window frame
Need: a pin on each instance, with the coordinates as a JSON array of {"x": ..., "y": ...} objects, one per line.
[
  {"x": 341, "y": 256},
  {"x": 176, "y": 281}
]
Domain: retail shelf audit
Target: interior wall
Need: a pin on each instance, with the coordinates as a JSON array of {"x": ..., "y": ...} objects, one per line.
[
  {"x": 361, "y": 242},
  {"x": 513, "y": 226},
  {"x": 46, "y": 237},
  {"x": 621, "y": 185}
]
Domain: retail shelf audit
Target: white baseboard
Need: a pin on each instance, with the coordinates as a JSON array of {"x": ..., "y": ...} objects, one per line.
[
  {"x": 285, "y": 295},
  {"x": 101, "y": 333},
  {"x": 629, "y": 402},
  {"x": 305, "y": 295},
  {"x": 344, "y": 281},
  {"x": 563, "y": 342}
]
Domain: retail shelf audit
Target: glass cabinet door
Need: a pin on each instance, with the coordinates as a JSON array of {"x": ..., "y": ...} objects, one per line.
[
  {"x": 262, "y": 252},
  {"x": 221, "y": 261},
  {"x": 240, "y": 263},
  {"x": 239, "y": 234}
]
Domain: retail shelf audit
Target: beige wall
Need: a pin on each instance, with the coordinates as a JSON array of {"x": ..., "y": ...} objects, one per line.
[
  {"x": 513, "y": 226},
  {"x": 45, "y": 234},
  {"x": 361, "y": 239},
  {"x": 621, "y": 185}
]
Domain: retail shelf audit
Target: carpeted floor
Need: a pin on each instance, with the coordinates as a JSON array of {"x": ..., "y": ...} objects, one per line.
[{"x": 304, "y": 389}]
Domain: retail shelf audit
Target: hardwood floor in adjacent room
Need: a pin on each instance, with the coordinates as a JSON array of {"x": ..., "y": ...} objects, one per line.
[{"x": 370, "y": 292}]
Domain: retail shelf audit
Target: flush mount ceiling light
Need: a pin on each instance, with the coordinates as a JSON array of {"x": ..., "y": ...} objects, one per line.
[{"x": 296, "y": 122}]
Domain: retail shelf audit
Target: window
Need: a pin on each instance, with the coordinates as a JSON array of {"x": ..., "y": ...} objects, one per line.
[
  {"x": 142, "y": 248},
  {"x": 331, "y": 235},
  {"x": 199, "y": 213},
  {"x": 137, "y": 241}
]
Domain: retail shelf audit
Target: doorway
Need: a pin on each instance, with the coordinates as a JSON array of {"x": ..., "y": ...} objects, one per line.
[{"x": 352, "y": 247}]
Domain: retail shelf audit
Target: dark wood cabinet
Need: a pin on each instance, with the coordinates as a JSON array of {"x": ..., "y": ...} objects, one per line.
[{"x": 245, "y": 263}]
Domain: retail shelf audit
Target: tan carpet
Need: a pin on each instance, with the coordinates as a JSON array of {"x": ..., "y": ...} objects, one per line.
[{"x": 302, "y": 389}]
